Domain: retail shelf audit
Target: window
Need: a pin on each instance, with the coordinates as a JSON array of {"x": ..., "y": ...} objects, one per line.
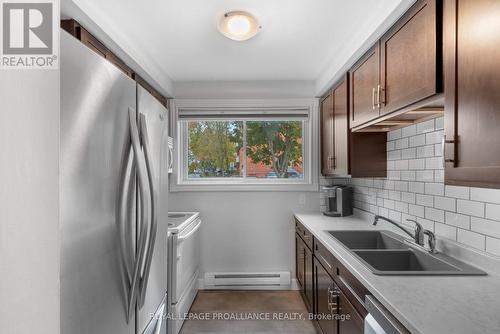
[{"x": 254, "y": 149}]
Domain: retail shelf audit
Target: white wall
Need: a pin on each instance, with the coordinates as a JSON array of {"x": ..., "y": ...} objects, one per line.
[
  {"x": 29, "y": 227},
  {"x": 262, "y": 89},
  {"x": 246, "y": 231}
]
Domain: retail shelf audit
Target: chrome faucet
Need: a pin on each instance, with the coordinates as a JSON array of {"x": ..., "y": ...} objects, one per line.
[
  {"x": 432, "y": 241},
  {"x": 417, "y": 235}
]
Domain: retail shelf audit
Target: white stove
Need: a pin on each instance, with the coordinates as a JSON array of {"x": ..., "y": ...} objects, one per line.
[{"x": 184, "y": 263}]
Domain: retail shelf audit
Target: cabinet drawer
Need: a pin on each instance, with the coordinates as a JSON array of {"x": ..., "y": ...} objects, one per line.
[
  {"x": 353, "y": 289},
  {"x": 326, "y": 258},
  {"x": 304, "y": 234}
]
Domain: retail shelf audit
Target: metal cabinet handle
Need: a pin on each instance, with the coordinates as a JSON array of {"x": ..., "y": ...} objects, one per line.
[
  {"x": 444, "y": 141},
  {"x": 379, "y": 101},
  {"x": 373, "y": 98}
]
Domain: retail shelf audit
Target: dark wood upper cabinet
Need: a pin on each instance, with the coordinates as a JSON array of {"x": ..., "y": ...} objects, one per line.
[
  {"x": 472, "y": 98},
  {"x": 411, "y": 58},
  {"x": 404, "y": 68},
  {"x": 341, "y": 127},
  {"x": 335, "y": 130},
  {"x": 365, "y": 77},
  {"x": 327, "y": 135}
]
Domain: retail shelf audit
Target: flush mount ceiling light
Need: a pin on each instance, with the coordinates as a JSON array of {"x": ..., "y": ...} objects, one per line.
[{"x": 239, "y": 25}]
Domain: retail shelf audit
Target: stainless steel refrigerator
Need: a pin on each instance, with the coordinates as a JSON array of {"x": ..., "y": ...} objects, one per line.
[{"x": 114, "y": 187}]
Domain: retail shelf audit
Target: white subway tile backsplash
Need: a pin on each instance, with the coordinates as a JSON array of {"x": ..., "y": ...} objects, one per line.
[
  {"x": 439, "y": 175},
  {"x": 416, "y": 210},
  {"x": 394, "y": 175},
  {"x": 472, "y": 239},
  {"x": 470, "y": 208},
  {"x": 457, "y": 192},
  {"x": 434, "y": 137},
  {"x": 424, "y": 175},
  {"x": 395, "y": 134},
  {"x": 391, "y": 145},
  {"x": 425, "y": 200},
  {"x": 408, "y": 175},
  {"x": 415, "y": 188},
  {"x": 485, "y": 226},
  {"x": 426, "y": 126},
  {"x": 409, "y": 131},
  {"x": 401, "y": 207},
  {"x": 445, "y": 203},
  {"x": 438, "y": 150},
  {"x": 418, "y": 140},
  {"x": 416, "y": 164},
  {"x": 434, "y": 189},
  {"x": 394, "y": 155},
  {"x": 493, "y": 246},
  {"x": 485, "y": 195},
  {"x": 395, "y": 195},
  {"x": 425, "y": 151},
  {"x": 457, "y": 220},
  {"x": 439, "y": 123},
  {"x": 409, "y": 153},
  {"x": 401, "y": 165},
  {"x": 434, "y": 214},
  {"x": 493, "y": 211},
  {"x": 401, "y": 143},
  {"x": 389, "y": 203},
  {"x": 408, "y": 197},
  {"x": 445, "y": 231},
  {"x": 434, "y": 163}
]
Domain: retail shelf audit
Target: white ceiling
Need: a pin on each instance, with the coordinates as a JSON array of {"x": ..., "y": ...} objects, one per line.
[{"x": 300, "y": 39}]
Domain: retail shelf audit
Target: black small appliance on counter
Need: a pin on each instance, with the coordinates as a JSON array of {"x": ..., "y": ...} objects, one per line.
[{"x": 339, "y": 200}]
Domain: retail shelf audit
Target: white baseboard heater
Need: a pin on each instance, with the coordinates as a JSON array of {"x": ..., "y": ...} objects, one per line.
[{"x": 257, "y": 279}]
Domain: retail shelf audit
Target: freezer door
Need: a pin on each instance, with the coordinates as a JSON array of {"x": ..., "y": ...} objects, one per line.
[
  {"x": 95, "y": 98},
  {"x": 154, "y": 117}
]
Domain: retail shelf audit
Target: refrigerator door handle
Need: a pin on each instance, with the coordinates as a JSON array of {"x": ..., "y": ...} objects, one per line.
[
  {"x": 153, "y": 213},
  {"x": 142, "y": 233},
  {"x": 123, "y": 219}
]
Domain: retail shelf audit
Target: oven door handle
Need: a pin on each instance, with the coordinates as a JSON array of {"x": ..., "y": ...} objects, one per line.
[{"x": 190, "y": 233}]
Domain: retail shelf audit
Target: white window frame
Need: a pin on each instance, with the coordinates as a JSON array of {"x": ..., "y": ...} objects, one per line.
[{"x": 179, "y": 180}]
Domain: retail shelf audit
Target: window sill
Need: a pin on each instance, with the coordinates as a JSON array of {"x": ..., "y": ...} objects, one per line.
[{"x": 236, "y": 187}]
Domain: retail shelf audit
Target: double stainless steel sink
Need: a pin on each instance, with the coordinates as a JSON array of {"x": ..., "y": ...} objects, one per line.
[{"x": 387, "y": 253}]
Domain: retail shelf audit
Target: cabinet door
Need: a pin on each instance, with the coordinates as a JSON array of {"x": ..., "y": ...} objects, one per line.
[
  {"x": 341, "y": 128},
  {"x": 300, "y": 261},
  {"x": 326, "y": 298},
  {"x": 351, "y": 322},
  {"x": 364, "y": 83},
  {"x": 409, "y": 52},
  {"x": 309, "y": 286},
  {"x": 327, "y": 135},
  {"x": 472, "y": 99}
]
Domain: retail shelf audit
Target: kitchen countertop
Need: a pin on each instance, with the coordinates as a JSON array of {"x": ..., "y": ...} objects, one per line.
[{"x": 423, "y": 304}]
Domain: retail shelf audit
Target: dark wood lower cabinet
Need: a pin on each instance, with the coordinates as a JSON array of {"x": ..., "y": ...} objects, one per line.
[
  {"x": 350, "y": 321},
  {"x": 300, "y": 261},
  {"x": 326, "y": 299},
  {"x": 304, "y": 271},
  {"x": 309, "y": 285}
]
